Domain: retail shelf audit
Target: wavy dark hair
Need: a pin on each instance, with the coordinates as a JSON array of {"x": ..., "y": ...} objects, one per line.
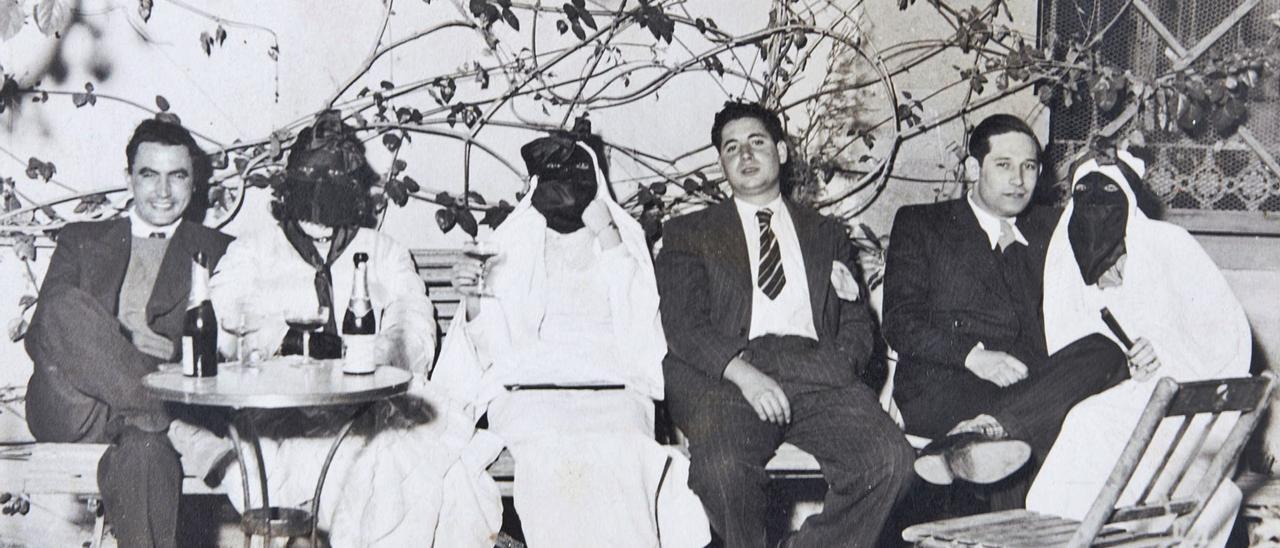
[{"x": 171, "y": 134}]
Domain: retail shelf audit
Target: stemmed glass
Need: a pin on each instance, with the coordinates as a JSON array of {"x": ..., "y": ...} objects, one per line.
[
  {"x": 482, "y": 251},
  {"x": 306, "y": 322},
  {"x": 241, "y": 324}
]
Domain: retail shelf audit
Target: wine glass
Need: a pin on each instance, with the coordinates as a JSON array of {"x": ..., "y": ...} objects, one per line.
[
  {"x": 306, "y": 322},
  {"x": 482, "y": 251},
  {"x": 240, "y": 324}
]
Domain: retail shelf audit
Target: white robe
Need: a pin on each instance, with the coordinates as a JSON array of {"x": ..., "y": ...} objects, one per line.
[
  {"x": 1173, "y": 295},
  {"x": 411, "y": 475},
  {"x": 588, "y": 471}
]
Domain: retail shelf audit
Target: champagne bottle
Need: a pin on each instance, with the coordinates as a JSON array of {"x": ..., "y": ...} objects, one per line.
[
  {"x": 200, "y": 326},
  {"x": 359, "y": 327}
]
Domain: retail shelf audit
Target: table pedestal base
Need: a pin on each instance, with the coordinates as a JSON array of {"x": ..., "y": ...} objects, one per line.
[{"x": 276, "y": 522}]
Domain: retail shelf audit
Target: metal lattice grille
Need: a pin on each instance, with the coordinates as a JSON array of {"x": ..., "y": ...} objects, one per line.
[{"x": 1207, "y": 172}]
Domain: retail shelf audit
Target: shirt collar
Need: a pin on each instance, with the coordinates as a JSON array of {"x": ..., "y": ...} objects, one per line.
[
  {"x": 747, "y": 211},
  {"x": 140, "y": 228},
  {"x": 991, "y": 224}
]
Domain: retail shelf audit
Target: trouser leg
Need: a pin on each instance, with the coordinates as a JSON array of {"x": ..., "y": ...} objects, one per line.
[
  {"x": 141, "y": 480},
  {"x": 1033, "y": 410},
  {"x": 864, "y": 458},
  {"x": 81, "y": 343},
  {"x": 728, "y": 448}
]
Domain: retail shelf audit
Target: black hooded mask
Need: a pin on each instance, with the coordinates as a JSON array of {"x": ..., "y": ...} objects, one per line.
[
  {"x": 566, "y": 181},
  {"x": 327, "y": 178},
  {"x": 1097, "y": 225}
]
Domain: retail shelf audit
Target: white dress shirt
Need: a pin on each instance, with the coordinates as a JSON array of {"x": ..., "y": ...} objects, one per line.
[
  {"x": 140, "y": 228},
  {"x": 991, "y": 223},
  {"x": 789, "y": 313}
]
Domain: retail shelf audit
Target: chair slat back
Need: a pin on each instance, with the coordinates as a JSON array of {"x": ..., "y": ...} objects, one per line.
[{"x": 1247, "y": 396}]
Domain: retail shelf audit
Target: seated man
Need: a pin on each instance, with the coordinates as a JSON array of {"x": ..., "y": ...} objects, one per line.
[
  {"x": 1166, "y": 294},
  {"x": 766, "y": 336},
  {"x": 110, "y": 310},
  {"x": 962, "y": 309}
]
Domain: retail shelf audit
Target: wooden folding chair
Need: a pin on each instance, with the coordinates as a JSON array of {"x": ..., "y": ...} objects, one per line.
[{"x": 1160, "y": 499}]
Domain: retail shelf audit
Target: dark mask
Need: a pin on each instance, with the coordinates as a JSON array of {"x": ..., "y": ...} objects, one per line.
[
  {"x": 566, "y": 181},
  {"x": 327, "y": 178},
  {"x": 1097, "y": 225},
  {"x": 327, "y": 203}
]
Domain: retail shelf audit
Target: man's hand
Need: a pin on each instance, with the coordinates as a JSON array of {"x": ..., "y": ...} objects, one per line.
[
  {"x": 763, "y": 394},
  {"x": 599, "y": 221},
  {"x": 1143, "y": 362},
  {"x": 466, "y": 278},
  {"x": 151, "y": 344},
  {"x": 995, "y": 366}
]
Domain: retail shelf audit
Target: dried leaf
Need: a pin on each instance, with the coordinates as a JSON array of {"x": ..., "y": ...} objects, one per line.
[
  {"x": 24, "y": 246},
  {"x": 144, "y": 9},
  {"x": 467, "y": 222},
  {"x": 220, "y": 35},
  {"x": 53, "y": 16},
  {"x": 391, "y": 141},
  {"x": 17, "y": 330},
  {"x": 206, "y": 43},
  {"x": 445, "y": 219},
  {"x": 445, "y": 199},
  {"x": 162, "y": 103},
  {"x": 562, "y": 26},
  {"x": 11, "y": 18},
  {"x": 26, "y": 301},
  {"x": 510, "y": 18}
]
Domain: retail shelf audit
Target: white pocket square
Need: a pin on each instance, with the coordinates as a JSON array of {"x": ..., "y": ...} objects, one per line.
[{"x": 844, "y": 283}]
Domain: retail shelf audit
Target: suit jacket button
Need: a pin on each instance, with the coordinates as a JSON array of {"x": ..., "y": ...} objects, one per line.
[
  {"x": 957, "y": 324},
  {"x": 742, "y": 332}
]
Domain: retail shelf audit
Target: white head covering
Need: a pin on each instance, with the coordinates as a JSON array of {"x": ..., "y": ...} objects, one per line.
[
  {"x": 520, "y": 305},
  {"x": 1172, "y": 293}
]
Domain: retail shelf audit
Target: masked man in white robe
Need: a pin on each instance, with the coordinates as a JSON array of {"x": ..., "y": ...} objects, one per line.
[
  {"x": 564, "y": 351},
  {"x": 400, "y": 479},
  {"x": 1169, "y": 298}
]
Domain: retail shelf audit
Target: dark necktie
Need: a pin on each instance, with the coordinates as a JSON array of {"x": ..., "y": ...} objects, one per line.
[{"x": 771, "y": 277}]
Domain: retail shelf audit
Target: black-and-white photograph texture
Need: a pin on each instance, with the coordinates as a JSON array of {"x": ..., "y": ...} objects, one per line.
[{"x": 639, "y": 273}]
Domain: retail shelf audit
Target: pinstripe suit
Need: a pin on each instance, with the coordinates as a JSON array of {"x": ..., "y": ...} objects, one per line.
[{"x": 705, "y": 282}]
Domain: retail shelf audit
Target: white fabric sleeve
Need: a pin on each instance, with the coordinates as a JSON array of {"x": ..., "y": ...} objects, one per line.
[{"x": 408, "y": 319}]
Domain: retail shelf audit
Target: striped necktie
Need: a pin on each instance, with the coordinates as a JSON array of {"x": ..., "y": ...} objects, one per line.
[{"x": 771, "y": 277}]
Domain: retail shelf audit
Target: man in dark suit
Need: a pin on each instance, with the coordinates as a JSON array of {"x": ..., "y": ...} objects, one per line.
[
  {"x": 110, "y": 310},
  {"x": 767, "y": 334},
  {"x": 962, "y": 307}
]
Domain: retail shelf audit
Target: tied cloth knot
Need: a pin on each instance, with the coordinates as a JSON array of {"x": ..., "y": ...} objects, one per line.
[{"x": 306, "y": 248}]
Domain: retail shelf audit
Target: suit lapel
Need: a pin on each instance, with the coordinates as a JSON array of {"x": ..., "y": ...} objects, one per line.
[
  {"x": 974, "y": 247},
  {"x": 817, "y": 260},
  {"x": 110, "y": 256},
  {"x": 173, "y": 282},
  {"x": 734, "y": 254}
]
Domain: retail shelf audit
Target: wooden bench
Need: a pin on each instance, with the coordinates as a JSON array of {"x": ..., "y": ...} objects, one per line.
[{"x": 71, "y": 469}]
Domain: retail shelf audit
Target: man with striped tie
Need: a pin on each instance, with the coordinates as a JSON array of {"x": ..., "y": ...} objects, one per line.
[{"x": 767, "y": 334}]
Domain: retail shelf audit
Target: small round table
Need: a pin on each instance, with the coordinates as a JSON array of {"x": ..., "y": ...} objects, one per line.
[{"x": 280, "y": 383}]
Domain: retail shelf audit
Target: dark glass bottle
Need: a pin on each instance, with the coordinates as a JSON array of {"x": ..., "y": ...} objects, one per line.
[
  {"x": 359, "y": 326},
  {"x": 200, "y": 326}
]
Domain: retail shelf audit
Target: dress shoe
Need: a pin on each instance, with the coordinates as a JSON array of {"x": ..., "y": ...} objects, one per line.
[{"x": 971, "y": 456}]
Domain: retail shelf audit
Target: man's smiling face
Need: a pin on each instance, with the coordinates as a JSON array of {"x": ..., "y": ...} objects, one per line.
[{"x": 162, "y": 181}]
